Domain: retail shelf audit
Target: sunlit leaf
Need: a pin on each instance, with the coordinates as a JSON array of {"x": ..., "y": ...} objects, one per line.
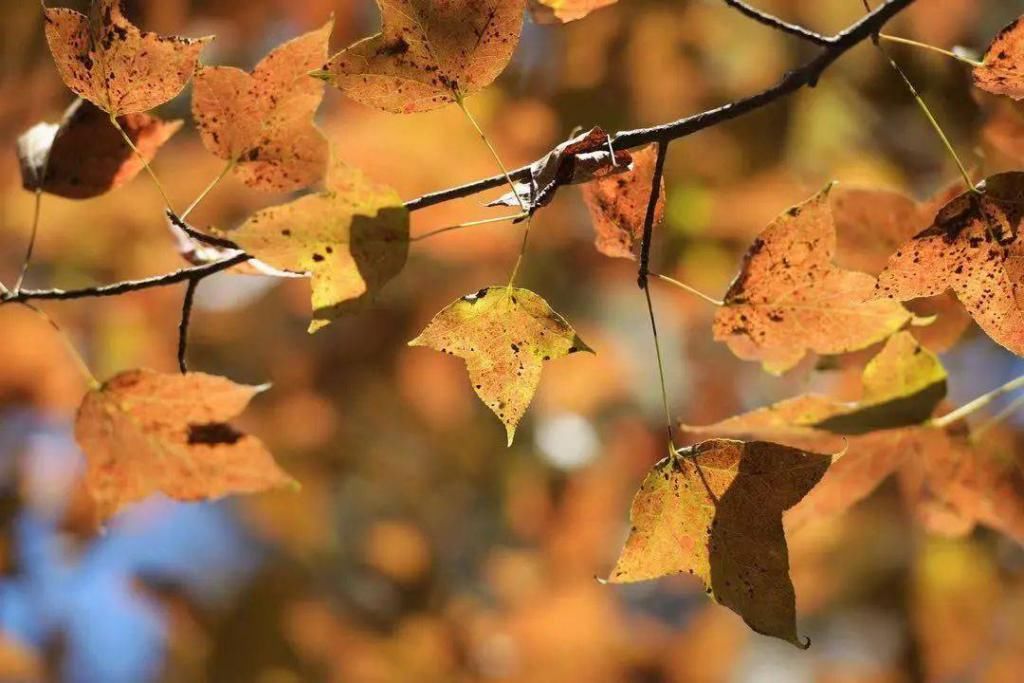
[
  {"x": 505, "y": 335},
  {"x": 548, "y": 11},
  {"x": 1002, "y": 71},
  {"x": 428, "y": 54},
  {"x": 145, "y": 432},
  {"x": 107, "y": 60},
  {"x": 973, "y": 247},
  {"x": 618, "y": 204},
  {"x": 352, "y": 239},
  {"x": 715, "y": 512},
  {"x": 85, "y": 156},
  {"x": 789, "y": 297},
  {"x": 264, "y": 121}
]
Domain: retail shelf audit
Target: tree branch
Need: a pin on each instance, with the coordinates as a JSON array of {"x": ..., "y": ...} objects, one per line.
[
  {"x": 186, "y": 318},
  {"x": 778, "y": 24}
]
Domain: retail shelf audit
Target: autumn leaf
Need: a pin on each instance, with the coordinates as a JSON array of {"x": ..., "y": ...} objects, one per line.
[
  {"x": 586, "y": 157},
  {"x": 790, "y": 298},
  {"x": 564, "y": 11},
  {"x": 85, "y": 156},
  {"x": 264, "y": 121},
  {"x": 107, "y": 60},
  {"x": 1002, "y": 68},
  {"x": 618, "y": 204},
  {"x": 145, "y": 432},
  {"x": 715, "y": 511},
  {"x": 428, "y": 54},
  {"x": 505, "y": 335},
  {"x": 973, "y": 248},
  {"x": 352, "y": 239}
]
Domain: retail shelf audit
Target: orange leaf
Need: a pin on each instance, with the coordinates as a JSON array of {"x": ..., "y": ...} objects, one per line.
[
  {"x": 790, "y": 298},
  {"x": 107, "y": 60},
  {"x": 144, "y": 432},
  {"x": 264, "y": 121},
  {"x": 564, "y": 11},
  {"x": 618, "y": 204},
  {"x": 428, "y": 53},
  {"x": 1002, "y": 69}
]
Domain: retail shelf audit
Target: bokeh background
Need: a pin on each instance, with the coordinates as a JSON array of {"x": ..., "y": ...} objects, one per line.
[{"x": 420, "y": 548}]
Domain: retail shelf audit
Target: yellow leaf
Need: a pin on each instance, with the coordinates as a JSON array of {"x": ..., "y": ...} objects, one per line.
[
  {"x": 715, "y": 511},
  {"x": 428, "y": 53},
  {"x": 789, "y": 296},
  {"x": 564, "y": 11},
  {"x": 264, "y": 121},
  {"x": 505, "y": 335},
  {"x": 144, "y": 432},
  {"x": 352, "y": 239},
  {"x": 107, "y": 60}
]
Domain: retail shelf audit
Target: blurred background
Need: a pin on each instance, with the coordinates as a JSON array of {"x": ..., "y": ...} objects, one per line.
[{"x": 420, "y": 548}]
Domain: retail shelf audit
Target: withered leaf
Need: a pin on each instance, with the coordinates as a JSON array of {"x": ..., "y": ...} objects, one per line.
[
  {"x": 618, "y": 204},
  {"x": 564, "y": 11},
  {"x": 264, "y": 121},
  {"x": 145, "y": 432},
  {"x": 1002, "y": 69},
  {"x": 586, "y": 157},
  {"x": 107, "y": 60},
  {"x": 85, "y": 156},
  {"x": 505, "y": 335},
  {"x": 789, "y": 297},
  {"x": 428, "y": 53},
  {"x": 972, "y": 247},
  {"x": 715, "y": 511},
  {"x": 352, "y": 239}
]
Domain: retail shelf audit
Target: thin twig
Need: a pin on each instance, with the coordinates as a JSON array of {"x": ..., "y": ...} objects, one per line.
[
  {"x": 186, "y": 317},
  {"x": 1008, "y": 410},
  {"x": 977, "y": 404},
  {"x": 778, "y": 24},
  {"x": 180, "y": 223}
]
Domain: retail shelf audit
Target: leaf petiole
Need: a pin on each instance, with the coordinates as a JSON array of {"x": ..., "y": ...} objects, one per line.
[
  {"x": 932, "y": 48},
  {"x": 90, "y": 379},
  {"x": 977, "y": 404},
  {"x": 209, "y": 188},
  {"x": 692, "y": 290},
  {"x": 470, "y": 224},
  {"x": 145, "y": 163}
]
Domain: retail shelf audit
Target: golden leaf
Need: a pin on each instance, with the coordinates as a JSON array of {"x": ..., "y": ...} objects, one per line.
[
  {"x": 144, "y": 432},
  {"x": 564, "y": 11},
  {"x": 107, "y": 60},
  {"x": 505, "y": 335},
  {"x": 715, "y": 511},
  {"x": 264, "y": 121}
]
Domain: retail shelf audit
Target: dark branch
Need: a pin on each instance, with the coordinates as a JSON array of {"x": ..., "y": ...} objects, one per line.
[
  {"x": 184, "y": 275},
  {"x": 778, "y": 24},
  {"x": 186, "y": 317},
  {"x": 198, "y": 236},
  {"x": 652, "y": 210}
]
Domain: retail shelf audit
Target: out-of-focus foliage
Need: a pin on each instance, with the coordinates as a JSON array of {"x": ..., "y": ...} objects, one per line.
[{"x": 420, "y": 548}]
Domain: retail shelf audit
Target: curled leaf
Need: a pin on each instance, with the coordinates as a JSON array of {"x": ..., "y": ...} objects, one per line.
[
  {"x": 107, "y": 60},
  {"x": 85, "y": 156},
  {"x": 789, "y": 296},
  {"x": 352, "y": 239},
  {"x": 264, "y": 121},
  {"x": 144, "y": 432},
  {"x": 505, "y": 335},
  {"x": 428, "y": 53},
  {"x": 715, "y": 511}
]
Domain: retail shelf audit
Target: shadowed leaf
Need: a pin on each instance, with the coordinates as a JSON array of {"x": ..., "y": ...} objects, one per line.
[
  {"x": 716, "y": 512},
  {"x": 264, "y": 121},
  {"x": 618, "y": 204},
  {"x": 145, "y": 432},
  {"x": 428, "y": 54},
  {"x": 790, "y": 298},
  {"x": 505, "y": 335},
  {"x": 107, "y": 60}
]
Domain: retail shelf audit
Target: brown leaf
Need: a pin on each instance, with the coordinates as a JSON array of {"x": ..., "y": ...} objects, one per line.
[
  {"x": 264, "y": 121},
  {"x": 428, "y": 53},
  {"x": 1002, "y": 69},
  {"x": 107, "y": 60},
  {"x": 972, "y": 248},
  {"x": 790, "y": 298},
  {"x": 145, "y": 432},
  {"x": 86, "y": 156},
  {"x": 618, "y": 204},
  {"x": 715, "y": 511},
  {"x": 564, "y": 11}
]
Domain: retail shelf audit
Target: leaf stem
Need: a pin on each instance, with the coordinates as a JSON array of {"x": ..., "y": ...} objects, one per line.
[
  {"x": 209, "y": 188},
  {"x": 696, "y": 292},
  {"x": 1010, "y": 408},
  {"x": 145, "y": 163},
  {"x": 32, "y": 237},
  {"x": 470, "y": 224},
  {"x": 90, "y": 379},
  {"x": 661, "y": 369},
  {"x": 932, "y": 48},
  {"x": 977, "y": 404},
  {"x": 494, "y": 153},
  {"x": 522, "y": 251}
]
